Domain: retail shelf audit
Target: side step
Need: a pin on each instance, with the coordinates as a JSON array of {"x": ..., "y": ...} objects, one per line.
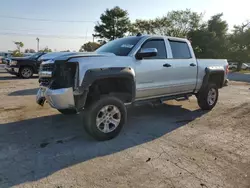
[{"x": 161, "y": 100}]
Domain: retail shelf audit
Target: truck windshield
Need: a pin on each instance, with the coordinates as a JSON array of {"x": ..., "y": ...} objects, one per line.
[{"x": 119, "y": 47}]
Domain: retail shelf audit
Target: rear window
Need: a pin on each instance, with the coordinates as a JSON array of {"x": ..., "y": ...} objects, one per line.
[{"x": 180, "y": 50}]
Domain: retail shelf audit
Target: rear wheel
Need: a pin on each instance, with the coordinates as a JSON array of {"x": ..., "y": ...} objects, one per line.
[
  {"x": 26, "y": 72},
  {"x": 67, "y": 111},
  {"x": 208, "y": 98},
  {"x": 104, "y": 119}
]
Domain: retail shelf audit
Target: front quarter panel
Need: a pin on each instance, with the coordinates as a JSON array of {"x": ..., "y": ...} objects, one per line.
[{"x": 102, "y": 63}]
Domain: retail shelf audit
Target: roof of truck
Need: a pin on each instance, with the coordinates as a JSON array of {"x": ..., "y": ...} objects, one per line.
[{"x": 168, "y": 37}]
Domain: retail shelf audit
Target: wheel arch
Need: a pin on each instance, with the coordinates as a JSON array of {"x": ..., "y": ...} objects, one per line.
[
  {"x": 213, "y": 75},
  {"x": 118, "y": 81},
  {"x": 31, "y": 66}
]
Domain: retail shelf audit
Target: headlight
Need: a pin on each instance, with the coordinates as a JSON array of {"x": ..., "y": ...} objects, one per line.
[
  {"x": 50, "y": 61},
  {"x": 13, "y": 63}
]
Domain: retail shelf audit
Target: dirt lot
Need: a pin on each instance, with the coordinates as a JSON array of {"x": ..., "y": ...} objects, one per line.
[{"x": 174, "y": 145}]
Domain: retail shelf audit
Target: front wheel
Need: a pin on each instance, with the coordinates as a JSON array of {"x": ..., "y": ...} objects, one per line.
[
  {"x": 26, "y": 72},
  {"x": 104, "y": 119},
  {"x": 208, "y": 98}
]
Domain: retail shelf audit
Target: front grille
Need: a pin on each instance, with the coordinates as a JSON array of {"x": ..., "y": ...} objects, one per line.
[
  {"x": 63, "y": 74},
  {"x": 5, "y": 61},
  {"x": 45, "y": 82},
  {"x": 47, "y": 67}
]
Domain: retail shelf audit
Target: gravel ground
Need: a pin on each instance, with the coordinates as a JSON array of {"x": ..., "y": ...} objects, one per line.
[{"x": 172, "y": 145}]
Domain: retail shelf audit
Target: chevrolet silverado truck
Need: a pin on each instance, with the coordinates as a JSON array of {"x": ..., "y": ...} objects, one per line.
[
  {"x": 128, "y": 71},
  {"x": 24, "y": 67}
]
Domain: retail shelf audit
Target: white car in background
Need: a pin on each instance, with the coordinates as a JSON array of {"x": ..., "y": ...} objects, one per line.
[{"x": 235, "y": 65}]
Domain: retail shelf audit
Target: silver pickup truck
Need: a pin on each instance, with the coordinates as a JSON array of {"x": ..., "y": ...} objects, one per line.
[{"x": 132, "y": 70}]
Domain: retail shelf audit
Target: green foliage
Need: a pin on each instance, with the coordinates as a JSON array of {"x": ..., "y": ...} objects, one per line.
[
  {"x": 175, "y": 23},
  {"x": 114, "y": 24},
  {"x": 17, "y": 53},
  {"x": 210, "y": 39},
  {"x": 46, "y": 49},
  {"x": 89, "y": 47},
  {"x": 29, "y": 51},
  {"x": 19, "y": 45},
  {"x": 240, "y": 44}
]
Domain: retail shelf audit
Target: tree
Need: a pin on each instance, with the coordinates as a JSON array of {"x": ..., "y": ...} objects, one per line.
[
  {"x": 19, "y": 45},
  {"x": 46, "y": 49},
  {"x": 175, "y": 23},
  {"x": 114, "y": 24},
  {"x": 142, "y": 26},
  {"x": 211, "y": 39},
  {"x": 89, "y": 47},
  {"x": 17, "y": 52},
  {"x": 29, "y": 51},
  {"x": 180, "y": 23},
  {"x": 240, "y": 44}
]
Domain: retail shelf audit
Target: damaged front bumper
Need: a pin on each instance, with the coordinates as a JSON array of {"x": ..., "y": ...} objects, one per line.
[
  {"x": 12, "y": 70},
  {"x": 57, "y": 98}
]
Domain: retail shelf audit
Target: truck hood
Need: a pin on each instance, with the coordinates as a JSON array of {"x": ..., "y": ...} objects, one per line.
[
  {"x": 88, "y": 61},
  {"x": 19, "y": 58},
  {"x": 82, "y": 54}
]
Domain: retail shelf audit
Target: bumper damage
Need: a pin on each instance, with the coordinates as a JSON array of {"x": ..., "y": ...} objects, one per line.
[
  {"x": 12, "y": 70},
  {"x": 57, "y": 98}
]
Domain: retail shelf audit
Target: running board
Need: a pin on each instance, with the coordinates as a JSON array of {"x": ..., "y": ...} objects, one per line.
[{"x": 160, "y": 100}]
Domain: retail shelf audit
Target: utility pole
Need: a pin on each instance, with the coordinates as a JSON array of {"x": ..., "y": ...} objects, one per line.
[
  {"x": 94, "y": 36},
  {"x": 37, "y": 39}
]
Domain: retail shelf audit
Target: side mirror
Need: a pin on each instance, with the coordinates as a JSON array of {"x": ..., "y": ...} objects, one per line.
[{"x": 146, "y": 52}]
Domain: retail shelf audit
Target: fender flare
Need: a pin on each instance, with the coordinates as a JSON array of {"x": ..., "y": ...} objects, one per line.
[
  {"x": 101, "y": 73},
  {"x": 210, "y": 71}
]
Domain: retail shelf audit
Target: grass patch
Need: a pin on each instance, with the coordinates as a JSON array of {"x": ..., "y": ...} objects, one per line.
[{"x": 241, "y": 71}]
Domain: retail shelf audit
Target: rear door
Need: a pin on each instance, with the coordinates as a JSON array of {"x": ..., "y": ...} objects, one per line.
[{"x": 183, "y": 67}]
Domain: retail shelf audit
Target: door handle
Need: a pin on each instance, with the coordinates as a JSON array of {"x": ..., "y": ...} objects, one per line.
[
  {"x": 166, "y": 65},
  {"x": 193, "y": 65}
]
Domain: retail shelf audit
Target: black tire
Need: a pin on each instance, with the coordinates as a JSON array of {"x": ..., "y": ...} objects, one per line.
[
  {"x": 26, "y": 72},
  {"x": 203, "y": 98},
  {"x": 67, "y": 111},
  {"x": 93, "y": 110}
]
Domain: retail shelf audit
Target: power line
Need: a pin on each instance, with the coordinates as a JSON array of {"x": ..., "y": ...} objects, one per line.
[
  {"x": 21, "y": 29},
  {"x": 27, "y": 31},
  {"x": 45, "y": 36},
  {"x": 46, "y": 20}
]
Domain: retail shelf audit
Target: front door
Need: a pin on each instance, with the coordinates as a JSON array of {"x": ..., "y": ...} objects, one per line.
[{"x": 152, "y": 75}]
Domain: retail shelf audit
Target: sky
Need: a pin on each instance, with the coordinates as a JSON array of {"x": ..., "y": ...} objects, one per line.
[{"x": 67, "y": 24}]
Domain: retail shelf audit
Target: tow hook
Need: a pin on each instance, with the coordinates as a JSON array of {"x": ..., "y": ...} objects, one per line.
[{"x": 41, "y": 101}]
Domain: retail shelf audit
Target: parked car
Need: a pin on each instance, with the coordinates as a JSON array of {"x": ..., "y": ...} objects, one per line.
[
  {"x": 27, "y": 66},
  {"x": 244, "y": 66},
  {"x": 24, "y": 67},
  {"x": 4, "y": 55},
  {"x": 128, "y": 71}
]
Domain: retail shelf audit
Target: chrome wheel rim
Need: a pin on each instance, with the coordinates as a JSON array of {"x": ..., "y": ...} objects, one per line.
[
  {"x": 211, "y": 98},
  {"x": 108, "y": 118},
  {"x": 26, "y": 72}
]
